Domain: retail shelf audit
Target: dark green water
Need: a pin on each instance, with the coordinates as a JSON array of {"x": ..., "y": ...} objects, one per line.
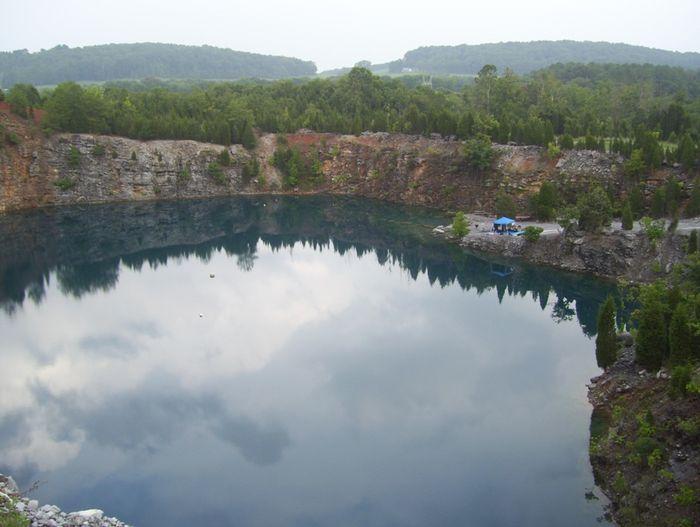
[{"x": 342, "y": 367}]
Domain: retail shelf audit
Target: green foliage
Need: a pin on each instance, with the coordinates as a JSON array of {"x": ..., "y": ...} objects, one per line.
[
  {"x": 98, "y": 150},
  {"x": 636, "y": 201},
  {"x": 654, "y": 229},
  {"x": 619, "y": 484},
  {"x": 478, "y": 152},
  {"x": 145, "y": 60},
  {"x": 692, "y": 209},
  {"x": 627, "y": 218},
  {"x": 658, "y": 203},
  {"x": 690, "y": 427},
  {"x": 553, "y": 151},
  {"x": 224, "y": 158},
  {"x": 645, "y": 447},
  {"x": 566, "y": 142},
  {"x": 635, "y": 166},
  {"x": 64, "y": 183},
  {"x": 595, "y": 210},
  {"x": 567, "y": 217},
  {"x": 505, "y": 206},
  {"x": 606, "y": 345},
  {"x": 546, "y": 201},
  {"x": 652, "y": 341},
  {"x": 185, "y": 174},
  {"x": 133, "y": 155},
  {"x": 214, "y": 170},
  {"x": 680, "y": 335},
  {"x": 687, "y": 152},
  {"x": 251, "y": 169},
  {"x": 460, "y": 225},
  {"x": 13, "y": 519},
  {"x": 73, "y": 157},
  {"x": 686, "y": 496},
  {"x": 532, "y": 233},
  {"x": 693, "y": 242},
  {"x": 21, "y": 98},
  {"x": 13, "y": 138},
  {"x": 681, "y": 376}
]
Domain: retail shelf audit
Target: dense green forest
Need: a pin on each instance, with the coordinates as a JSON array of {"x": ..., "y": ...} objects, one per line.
[
  {"x": 525, "y": 57},
  {"x": 649, "y": 116},
  {"x": 136, "y": 61}
]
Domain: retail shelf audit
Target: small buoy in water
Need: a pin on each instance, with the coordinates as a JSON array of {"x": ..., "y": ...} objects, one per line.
[{"x": 211, "y": 275}]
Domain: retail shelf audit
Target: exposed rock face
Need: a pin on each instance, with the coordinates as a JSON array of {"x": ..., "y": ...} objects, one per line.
[
  {"x": 115, "y": 169},
  {"x": 613, "y": 254},
  {"x": 409, "y": 169}
]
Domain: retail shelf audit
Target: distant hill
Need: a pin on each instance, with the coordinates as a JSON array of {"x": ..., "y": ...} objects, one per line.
[
  {"x": 525, "y": 57},
  {"x": 137, "y": 61}
]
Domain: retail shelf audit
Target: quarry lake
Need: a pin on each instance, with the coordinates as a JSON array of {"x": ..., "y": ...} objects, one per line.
[{"x": 279, "y": 361}]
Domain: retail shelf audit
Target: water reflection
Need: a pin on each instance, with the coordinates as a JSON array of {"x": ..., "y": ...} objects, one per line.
[
  {"x": 86, "y": 246},
  {"x": 342, "y": 367}
]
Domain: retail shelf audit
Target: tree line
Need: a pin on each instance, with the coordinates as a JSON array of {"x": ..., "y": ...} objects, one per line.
[{"x": 628, "y": 118}]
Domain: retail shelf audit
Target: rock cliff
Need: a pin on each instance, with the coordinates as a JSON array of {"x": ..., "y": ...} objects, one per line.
[{"x": 79, "y": 168}]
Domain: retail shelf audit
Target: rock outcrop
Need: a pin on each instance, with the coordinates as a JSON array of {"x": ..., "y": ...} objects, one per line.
[{"x": 80, "y": 168}]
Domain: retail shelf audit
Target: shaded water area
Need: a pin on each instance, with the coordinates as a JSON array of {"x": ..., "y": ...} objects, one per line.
[{"x": 341, "y": 367}]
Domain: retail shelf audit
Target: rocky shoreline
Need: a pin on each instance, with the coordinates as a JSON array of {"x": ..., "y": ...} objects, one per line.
[
  {"x": 645, "y": 446},
  {"x": 614, "y": 254},
  {"x": 16, "y": 510}
]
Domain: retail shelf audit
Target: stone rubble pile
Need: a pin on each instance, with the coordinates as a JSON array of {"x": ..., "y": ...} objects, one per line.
[{"x": 49, "y": 515}]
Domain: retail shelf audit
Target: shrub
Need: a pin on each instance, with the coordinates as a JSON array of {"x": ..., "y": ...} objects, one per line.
[
  {"x": 133, "y": 155},
  {"x": 606, "y": 340},
  {"x": 74, "y": 157},
  {"x": 680, "y": 336},
  {"x": 532, "y": 233},
  {"x": 654, "y": 229},
  {"x": 545, "y": 202},
  {"x": 98, "y": 150},
  {"x": 645, "y": 446},
  {"x": 619, "y": 484},
  {"x": 553, "y": 151},
  {"x": 224, "y": 158},
  {"x": 460, "y": 225},
  {"x": 13, "y": 138},
  {"x": 215, "y": 171},
  {"x": 568, "y": 217},
  {"x": 478, "y": 152},
  {"x": 184, "y": 174},
  {"x": 690, "y": 427},
  {"x": 64, "y": 183},
  {"x": 686, "y": 496},
  {"x": 251, "y": 169},
  {"x": 595, "y": 210},
  {"x": 681, "y": 377}
]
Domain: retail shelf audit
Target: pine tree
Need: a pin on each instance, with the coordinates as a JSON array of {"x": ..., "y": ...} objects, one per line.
[
  {"x": 460, "y": 225},
  {"x": 636, "y": 201},
  {"x": 651, "y": 336},
  {"x": 693, "y": 207},
  {"x": 627, "y": 218},
  {"x": 693, "y": 242},
  {"x": 680, "y": 336},
  {"x": 606, "y": 340}
]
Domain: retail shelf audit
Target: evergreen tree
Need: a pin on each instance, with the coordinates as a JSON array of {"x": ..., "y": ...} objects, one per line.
[
  {"x": 505, "y": 206},
  {"x": 627, "y": 218},
  {"x": 693, "y": 242},
  {"x": 636, "y": 201},
  {"x": 460, "y": 225},
  {"x": 606, "y": 341},
  {"x": 247, "y": 137},
  {"x": 687, "y": 152},
  {"x": 680, "y": 336},
  {"x": 546, "y": 202},
  {"x": 595, "y": 210},
  {"x": 658, "y": 203},
  {"x": 693, "y": 207},
  {"x": 651, "y": 336}
]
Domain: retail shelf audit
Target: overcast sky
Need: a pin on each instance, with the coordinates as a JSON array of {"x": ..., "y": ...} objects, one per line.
[{"x": 340, "y": 33}]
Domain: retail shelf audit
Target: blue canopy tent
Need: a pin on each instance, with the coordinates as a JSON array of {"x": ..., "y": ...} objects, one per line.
[{"x": 505, "y": 225}]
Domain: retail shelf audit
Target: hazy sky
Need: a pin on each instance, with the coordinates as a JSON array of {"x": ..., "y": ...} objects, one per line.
[{"x": 340, "y": 33}]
